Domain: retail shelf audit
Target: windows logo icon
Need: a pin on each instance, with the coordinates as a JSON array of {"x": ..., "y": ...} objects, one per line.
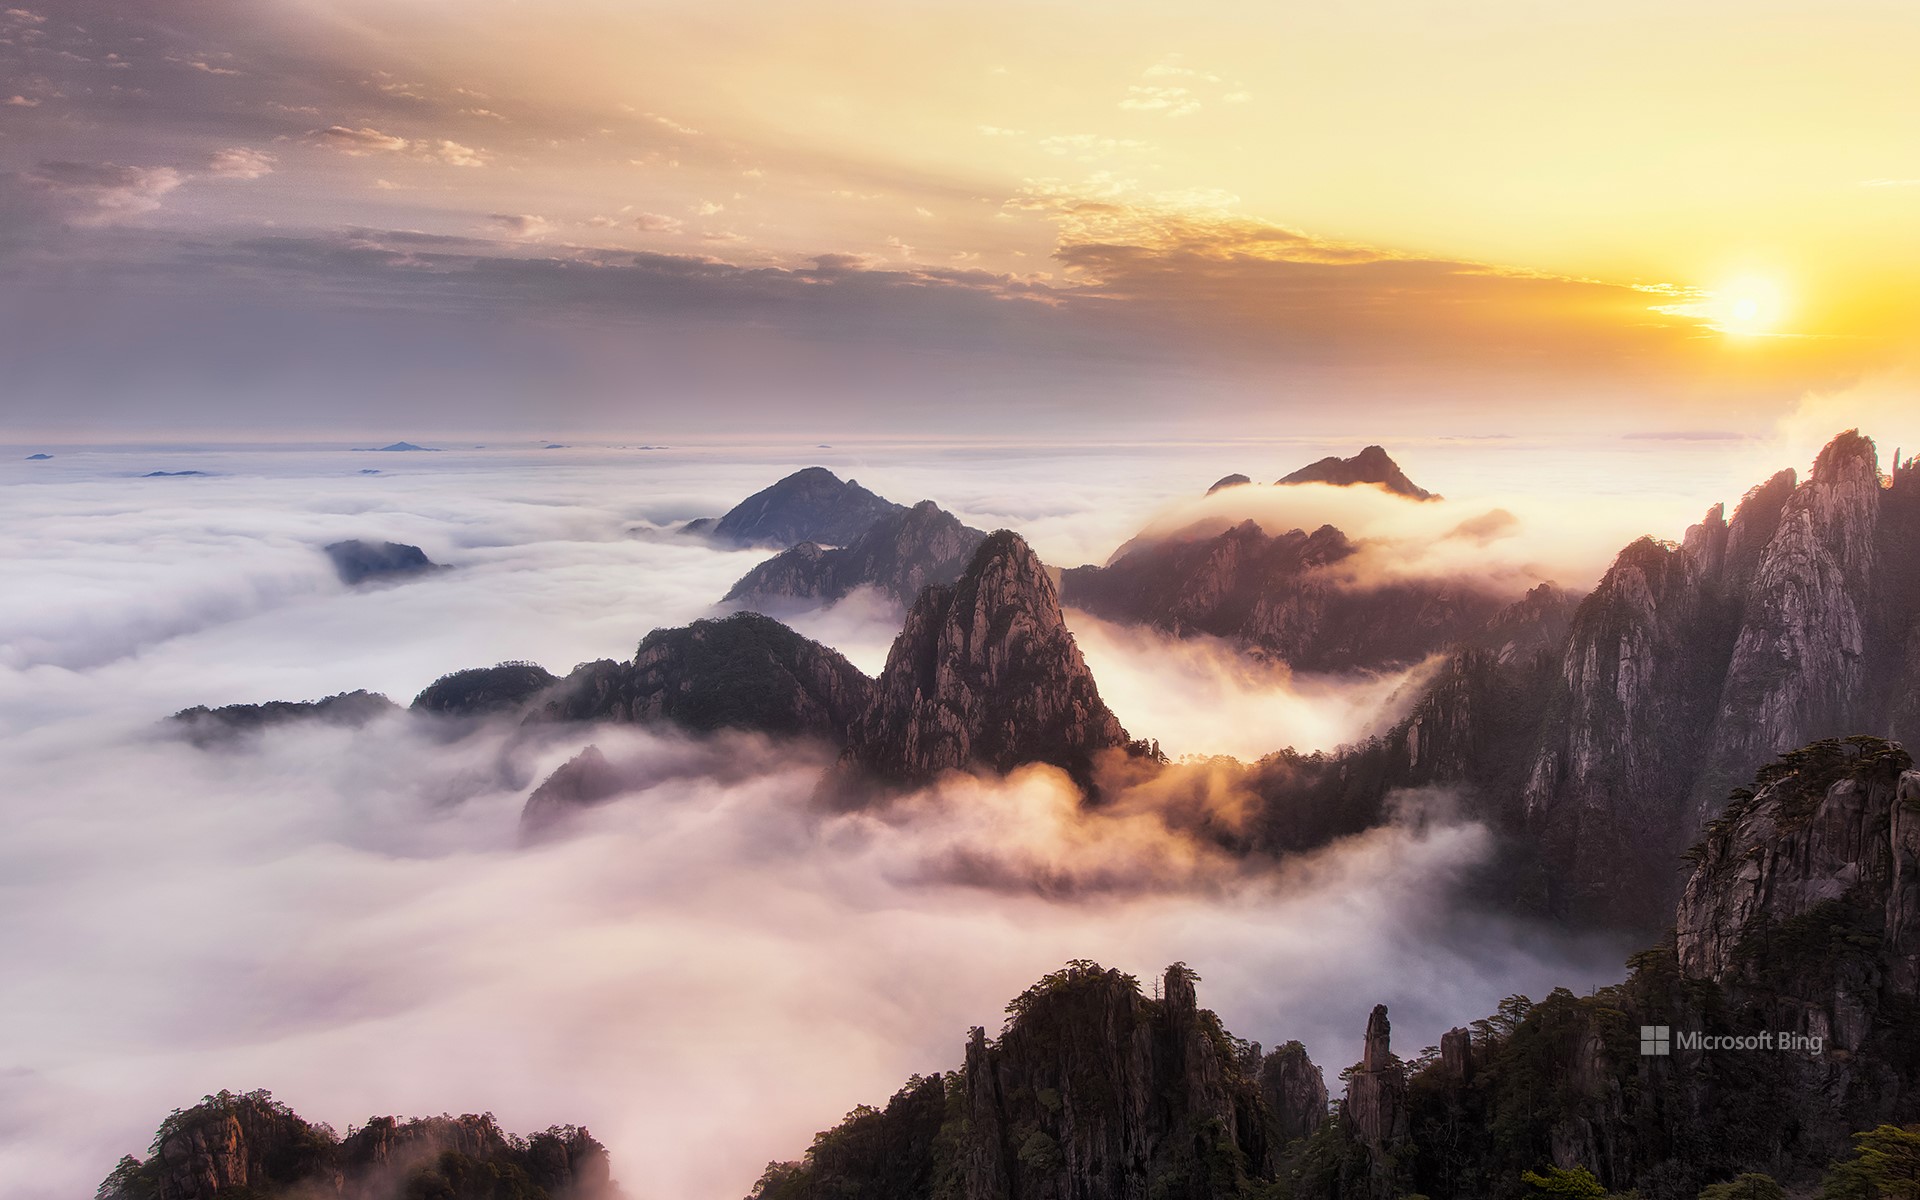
[{"x": 1656, "y": 1040}]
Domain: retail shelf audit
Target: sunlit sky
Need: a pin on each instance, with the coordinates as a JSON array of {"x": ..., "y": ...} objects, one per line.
[{"x": 271, "y": 215}]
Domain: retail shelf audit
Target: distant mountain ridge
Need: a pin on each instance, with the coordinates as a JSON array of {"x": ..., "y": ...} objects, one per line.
[
  {"x": 899, "y": 554},
  {"x": 1372, "y": 465},
  {"x": 810, "y": 505}
]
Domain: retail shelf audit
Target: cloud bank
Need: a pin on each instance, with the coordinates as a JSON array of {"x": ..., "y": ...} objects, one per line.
[{"x": 704, "y": 970}]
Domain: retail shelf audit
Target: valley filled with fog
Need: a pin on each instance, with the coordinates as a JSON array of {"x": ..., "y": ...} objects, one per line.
[{"x": 707, "y": 971}]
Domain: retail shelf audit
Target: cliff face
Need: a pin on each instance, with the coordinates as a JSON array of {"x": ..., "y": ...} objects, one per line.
[
  {"x": 1092, "y": 1092},
  {"x": 1372, "y": 465},
  {"x": 1806, "y": 891},
  {"x": 1295, "y": 1093},
  {"x": 249, "y": 1145},
  {"x": 1275, "y": 594},
  {"x": 745, "y": 672},
  {"x": 984, "y": 673},
  {"x": 1792, "y": 622},
  {"x": 899, "y": 554},
  {"x": 810, "y": 505}
]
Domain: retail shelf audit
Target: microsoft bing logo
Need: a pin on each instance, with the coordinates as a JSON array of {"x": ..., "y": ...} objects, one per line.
[{"x": 1656, "y": 1039}]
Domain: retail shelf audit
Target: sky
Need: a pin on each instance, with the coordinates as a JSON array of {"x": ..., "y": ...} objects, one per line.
[{"x": 310, "y": 218}]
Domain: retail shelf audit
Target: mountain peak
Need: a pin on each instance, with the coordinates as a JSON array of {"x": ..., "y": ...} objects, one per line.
[
  {"x": 985, "y": 673},
  {"x": 1372, "y": 465},
  {"x": 810, "y": 505},
  {"x": 1848, "y": 456}
]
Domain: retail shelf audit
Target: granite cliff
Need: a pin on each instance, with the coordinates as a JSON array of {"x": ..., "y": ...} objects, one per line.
[{"x": 984, "y": 674}]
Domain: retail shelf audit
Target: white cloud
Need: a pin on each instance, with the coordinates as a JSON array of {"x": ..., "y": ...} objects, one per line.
[
  {"x": 367, "y": 140},
  {"x": 346, "y": 917},
  {"x": 520, "y": 225},
  {"x": 454, "y": 154},
  {"x": 240, "y": 162},
  {"x": 360, "y": 141},
  {"x": 1170, "y": 101},
  {"x": 100, "y": 193}
]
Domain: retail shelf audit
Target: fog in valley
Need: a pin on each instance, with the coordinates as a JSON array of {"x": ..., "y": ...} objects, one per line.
[{"x": 709, "y": 969}]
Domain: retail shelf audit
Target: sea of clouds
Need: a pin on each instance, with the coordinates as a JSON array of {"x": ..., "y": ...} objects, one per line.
[{"x": 707, "y": 970}]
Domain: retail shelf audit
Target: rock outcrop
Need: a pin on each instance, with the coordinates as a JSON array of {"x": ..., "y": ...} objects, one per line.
[
  {"x": 899, "y": 554},
  {"x": 209, "y": 726},
  {"x": 1372, "y": 465},
  {"x": 1295, "y": 1093},
  {"x": 984, "y": 674},
  {"x": 1375, "y": 1107},
  {"x": 357, "y": 562},
  {"x": 249, "y": 1145},
  {"x": 1282, "y": 596},
  {"x": 746, "y": 672},
  {"x": 1093, "y": 1091},
  {"x": 810, "y": 505}
]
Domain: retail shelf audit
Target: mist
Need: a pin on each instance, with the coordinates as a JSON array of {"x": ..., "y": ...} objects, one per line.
[{"x": 705, "y": 970}]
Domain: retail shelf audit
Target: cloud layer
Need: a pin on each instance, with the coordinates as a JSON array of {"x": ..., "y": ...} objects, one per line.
[{"x": 705, "y": 970}]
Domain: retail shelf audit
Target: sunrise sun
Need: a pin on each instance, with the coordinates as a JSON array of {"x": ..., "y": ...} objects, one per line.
[{"x": 1747, "y": 307}]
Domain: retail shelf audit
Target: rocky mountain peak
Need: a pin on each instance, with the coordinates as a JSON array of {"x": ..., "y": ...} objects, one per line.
[
  {"x": 1228, "y": 481},
  {"x": 1849, "y": 457},
  {"x": 985, "y": 673},
  {"x": 1372, "y": 465}
]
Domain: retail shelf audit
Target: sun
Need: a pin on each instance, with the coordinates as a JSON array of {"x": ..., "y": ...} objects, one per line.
[{"x": 1747, "y": 307}]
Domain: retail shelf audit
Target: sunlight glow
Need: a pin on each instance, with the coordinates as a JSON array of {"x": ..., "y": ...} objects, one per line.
[{"x": 1747, "y": 307}]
